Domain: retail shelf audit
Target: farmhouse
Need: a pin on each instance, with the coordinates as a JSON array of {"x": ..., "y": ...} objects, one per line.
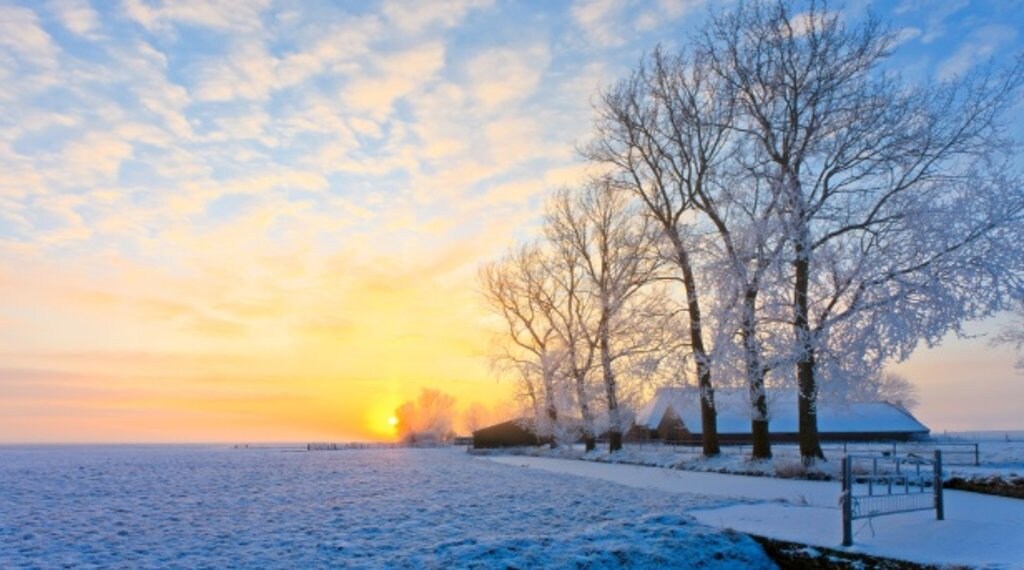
[
  {"x": 512, "y": 433},
  {"x": 673, "y": 414}
]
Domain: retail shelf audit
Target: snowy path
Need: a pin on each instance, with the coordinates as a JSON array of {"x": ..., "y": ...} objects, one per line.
[{"x": 979, "y": 530}]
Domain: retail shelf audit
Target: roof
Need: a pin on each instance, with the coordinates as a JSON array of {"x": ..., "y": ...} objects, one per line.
[{"x": 734, "y": 415}]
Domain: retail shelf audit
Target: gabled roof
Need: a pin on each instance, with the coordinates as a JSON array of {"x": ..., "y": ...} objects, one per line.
[{"x": 734, "y": 413}]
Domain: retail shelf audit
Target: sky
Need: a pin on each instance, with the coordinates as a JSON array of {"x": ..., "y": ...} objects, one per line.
[{"x": 262, "y": 221}]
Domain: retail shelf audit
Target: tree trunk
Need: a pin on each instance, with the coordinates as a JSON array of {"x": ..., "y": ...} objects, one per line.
[
  {"x": 810, "y": 444},
  {"x": 550, "y": 406},
  {"x": 589, "y": 438},
  {"x": 762, "y": 447},
  {"x": 614, "y": 429},
  {"x": 807, "y": 399},
  {"x": 708, "y": 414},
  {"x": 614, "y": 440}
]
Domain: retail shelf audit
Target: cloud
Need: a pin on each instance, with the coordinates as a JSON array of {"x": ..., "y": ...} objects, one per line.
[
  {"x": 21, "y": 35},
  {"x": 144, "y": 68},
  {"x": 77, "y": 16},
  {"x": 982, "y": 44},
  {"x": 394, "y": 76},
  {"x": 665, "y": 11},
  {"x": 416, "y": 16},
  {"x": 938, "y": 13},
  {"x": 221, "y": 14},
  {"x": 906, "y": 34},
  {"x": 95, "y": 156},
  {"x": 608, "y": 24},
  {"x": 600, "y": 20},
  {"x": 500, "y": 76},
  {"x": 251, "y": 72},
  {"x": 804, "y": 22},
  {"x": 247, "y": 73},
  {"x": 523, "y": 191},
  {"x": 336, "y": 48}
]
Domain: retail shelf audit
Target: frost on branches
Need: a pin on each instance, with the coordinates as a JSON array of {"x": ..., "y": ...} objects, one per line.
[{"x": 817, "y": 216}]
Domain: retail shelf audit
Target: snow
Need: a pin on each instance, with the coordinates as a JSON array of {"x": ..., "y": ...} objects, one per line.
[
  {"x": 979, "y": 530},
  {"x": 997, "y": 457},
  {"x": 734, "y": 413},
  {"x": 214, "y": 506}
]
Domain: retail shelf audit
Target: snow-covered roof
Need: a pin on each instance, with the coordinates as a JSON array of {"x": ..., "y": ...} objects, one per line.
[{"x": 734, "y": 413}]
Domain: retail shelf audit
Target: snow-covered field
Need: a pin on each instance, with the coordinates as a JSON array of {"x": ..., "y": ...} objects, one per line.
[
  {"x": 215, "y": 506},
  {"x": 190, "y": 507}
]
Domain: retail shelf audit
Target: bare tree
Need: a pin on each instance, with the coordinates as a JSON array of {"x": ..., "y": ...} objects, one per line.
[
  {"x": 520, "y": 290},
  {"x": 574, "y": 314},
  {"x": 698, "y": 127},
  {"x": 640, "y": 140},
  {"x": 870, "y": 175},
  {"x": 616, "y": 257}
]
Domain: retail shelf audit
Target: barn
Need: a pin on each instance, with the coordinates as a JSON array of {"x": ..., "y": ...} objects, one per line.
[
  {"x": 513, "y": 433},
  {"x": 673, "y": 414}
]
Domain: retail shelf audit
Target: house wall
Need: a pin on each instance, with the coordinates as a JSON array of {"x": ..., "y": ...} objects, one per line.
[{"x": 672, "y": 427}]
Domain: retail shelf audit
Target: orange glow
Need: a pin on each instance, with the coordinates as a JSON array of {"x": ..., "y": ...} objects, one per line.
[{"x": 157, "y": 358}]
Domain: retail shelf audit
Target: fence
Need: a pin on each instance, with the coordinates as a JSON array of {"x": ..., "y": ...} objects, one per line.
[
  {"x": 324, "y": 446},
  {"x": 953, "y": 453},
  {"x": 873, "y": 486}
]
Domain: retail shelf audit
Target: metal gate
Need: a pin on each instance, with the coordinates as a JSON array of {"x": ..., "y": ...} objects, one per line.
[{"x": 883, "y": 485}]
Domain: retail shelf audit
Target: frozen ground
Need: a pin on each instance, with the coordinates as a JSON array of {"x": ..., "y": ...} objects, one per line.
[
  {"x": 979, "y": 530},
  {"x": 191, "y": 507}
]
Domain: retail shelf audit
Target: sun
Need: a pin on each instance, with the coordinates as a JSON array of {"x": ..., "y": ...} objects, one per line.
[{"x": 392, "y": 421}]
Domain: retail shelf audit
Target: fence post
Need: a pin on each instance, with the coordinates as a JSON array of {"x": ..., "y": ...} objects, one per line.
[
  {"x": 940, "y": 511},
  {"x": 846, "y": 498}
]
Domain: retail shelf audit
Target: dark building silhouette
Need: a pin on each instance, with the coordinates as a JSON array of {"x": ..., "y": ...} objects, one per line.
[{"x": 512, "y": 433}]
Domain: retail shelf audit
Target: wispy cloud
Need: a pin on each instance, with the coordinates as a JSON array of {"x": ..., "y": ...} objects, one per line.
[
  {"x": 982, "y": 44},
  {"x": 23, "y": 37},
  {"x": 77, "y": 16},
  {"x": 223, "y": 14}
]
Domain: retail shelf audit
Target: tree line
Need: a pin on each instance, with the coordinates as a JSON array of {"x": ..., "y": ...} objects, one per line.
[{"x": 774, "y": 207}]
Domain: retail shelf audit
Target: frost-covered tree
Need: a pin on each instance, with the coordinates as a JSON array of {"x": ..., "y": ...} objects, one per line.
[
  {"x": 822, "y": 216},
  {"x": 573, "y": 311},
  {"x": 428, "y": 418},
  {"x": 1013, "y": 335},
  {"x": 612, "y": 258},
  {"x": 521, "y": 292},
  {"x": 638, "y": 139},
  {"x": 896, "y": 202},
  {"x": 683, "y": 114},
  {"x": 885, "y": 386}
]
